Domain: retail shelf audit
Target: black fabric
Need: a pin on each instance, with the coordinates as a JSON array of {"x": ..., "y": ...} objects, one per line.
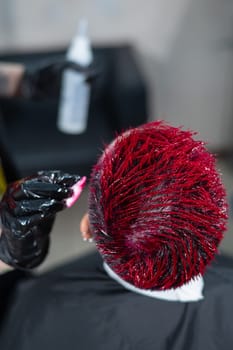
[
  {"x": 79, "y": 307},
  {"x": 8, "y": 283}
]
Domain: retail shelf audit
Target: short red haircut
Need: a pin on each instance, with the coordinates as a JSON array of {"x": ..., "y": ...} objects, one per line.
[{"x": 157, "y": 206}]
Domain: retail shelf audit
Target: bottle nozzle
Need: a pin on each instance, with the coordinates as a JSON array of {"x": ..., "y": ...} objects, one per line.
[
  {"x": 83, "y": 27},
  {"x": 80, "y": 50}
]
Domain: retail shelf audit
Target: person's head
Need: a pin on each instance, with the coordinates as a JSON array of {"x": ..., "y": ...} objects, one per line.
[{"x": 157, "y": 206}]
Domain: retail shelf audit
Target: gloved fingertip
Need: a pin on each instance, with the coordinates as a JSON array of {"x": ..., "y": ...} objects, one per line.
[{"x": 77, "y": 190}]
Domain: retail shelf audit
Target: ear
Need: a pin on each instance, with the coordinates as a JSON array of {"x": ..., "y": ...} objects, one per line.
[{"x": 85, "y": 228}]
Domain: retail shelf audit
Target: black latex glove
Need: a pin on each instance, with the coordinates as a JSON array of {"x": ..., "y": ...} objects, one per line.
[
  {"x": 27, "y": 212},
  {"x": 44, "y": 79}
]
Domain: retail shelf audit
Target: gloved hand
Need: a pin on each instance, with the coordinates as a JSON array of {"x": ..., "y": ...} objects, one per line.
[
  {"x": 43, "y": 80},
  {"x": 27, "y": 211}
]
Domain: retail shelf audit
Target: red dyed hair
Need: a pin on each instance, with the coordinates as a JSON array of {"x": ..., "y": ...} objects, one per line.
[{"x": 157, "y": 206}]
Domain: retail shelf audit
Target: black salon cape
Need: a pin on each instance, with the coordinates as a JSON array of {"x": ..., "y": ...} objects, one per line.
[{"x": 79, "y": 307}]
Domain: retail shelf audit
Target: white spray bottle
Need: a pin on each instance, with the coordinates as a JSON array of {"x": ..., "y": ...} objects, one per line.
[{"x": 75, "y": 91}]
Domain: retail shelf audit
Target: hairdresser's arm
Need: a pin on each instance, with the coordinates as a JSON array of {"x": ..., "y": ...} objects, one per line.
[
  {"x": 41, "y": 80},
  {"x": 11, "y": 75},
  {"x": 4, "y": 267}
]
